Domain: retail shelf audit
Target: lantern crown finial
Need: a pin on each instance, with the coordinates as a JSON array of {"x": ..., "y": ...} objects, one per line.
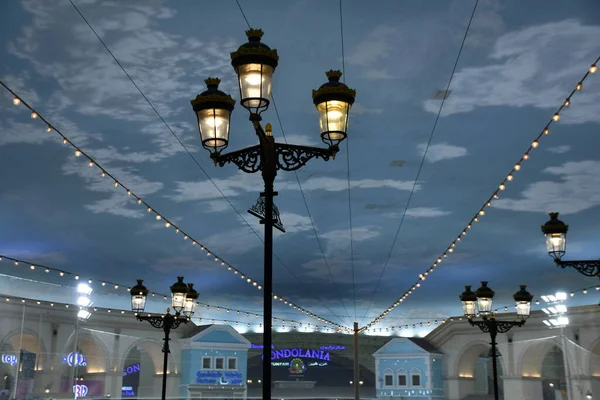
[
  {"x": 254, "y": 35},
  {"x": 334, "y": 75},
  {"x": 554, "y": 225},
  {"x": 212, "y": 83}
]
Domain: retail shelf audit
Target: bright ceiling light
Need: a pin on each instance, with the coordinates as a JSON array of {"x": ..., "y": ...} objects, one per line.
[
  {"x": 84, "y": 288},
  {"x": 83, "y": 314},
  {"x": 84, "y": 301}
]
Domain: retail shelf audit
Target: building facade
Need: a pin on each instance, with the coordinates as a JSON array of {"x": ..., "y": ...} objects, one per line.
[{"x": 47, "y": 352}]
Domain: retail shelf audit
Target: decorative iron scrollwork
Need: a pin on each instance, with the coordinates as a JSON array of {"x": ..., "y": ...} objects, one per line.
[
  {"x": 492, "y": 325},
  {"x": 585, "y": 267},
  {"x": 161, "y": 322},
  {"x": 292, "y": 157},
  {"x": 248, "y": 159},
  {"x": 258, "y": 210}
]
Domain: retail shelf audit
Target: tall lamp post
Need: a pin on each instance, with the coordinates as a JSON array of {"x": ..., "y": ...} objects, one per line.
[
  {"x": 479, "y": 304},
  {"x": 183, "y": 300},
  {"x": 555, "y": 232},
  {"x": 254, "y": 62}
]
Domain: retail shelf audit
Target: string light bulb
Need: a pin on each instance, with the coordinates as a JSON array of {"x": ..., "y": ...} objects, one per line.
[
  {"x": 567, "y": 102},
  {"x": 556, "y": 117},
  {"x": 16, "y": 101},
  {"x": 593, "y": 69},
  {"x": 34, "y": 115},
  {"x": 77, "y": 153},
  {"x": 48, "y": 129},
  {"x": 579, "y": 86}
]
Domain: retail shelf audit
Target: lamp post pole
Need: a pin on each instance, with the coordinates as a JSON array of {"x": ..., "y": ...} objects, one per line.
[
  {"x": 184, "y": 303},
  {"x": 255, "y": 63},
  {"x": 479, "y": 303},
  {"x": 356, "y": 364},
  {"x": 493, "y": 327}
]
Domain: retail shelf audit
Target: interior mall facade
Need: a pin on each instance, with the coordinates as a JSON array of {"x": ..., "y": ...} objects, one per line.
[{"x": 47, "y": 352}]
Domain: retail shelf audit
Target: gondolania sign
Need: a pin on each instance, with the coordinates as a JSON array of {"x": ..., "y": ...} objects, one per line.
[{"x": 302, "y": 353}]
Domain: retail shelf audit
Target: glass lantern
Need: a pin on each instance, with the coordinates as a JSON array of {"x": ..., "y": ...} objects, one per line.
[
  {"x": 213, "y": 110},
  {"x": 469, "y": 301},
  {"x": 485, "y": 296},
  {"x": 190, "y": 301},
  {"x": 139, "y": 293},
  {"x": 254, "y": 63},
  {"x": 523, "y": 299},
  {"x": 333, "y": 101},
  {"x": 555, "y": 232},
  {"x": 178, "y": 294}
]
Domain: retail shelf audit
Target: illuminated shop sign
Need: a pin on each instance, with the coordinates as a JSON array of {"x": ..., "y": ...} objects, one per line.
[
  {"x": 130, "y": 369},
  {"x": 9, "y": 359},
  {"x": 75, "y": 359},
  {"x": 219, "y": 378},
  {"x": 127, "y": 391},
  {"x": 289, "y": 353},
  {"x": 333, "y": 348},
  {"x": 80, "y": 390}
]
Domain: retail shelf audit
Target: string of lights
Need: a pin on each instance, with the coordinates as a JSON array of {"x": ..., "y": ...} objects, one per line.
[
  {"x": 495, "y": 195},
  {"x": 117, "y": 286},
  {"x": 169, "y": 224},
  {"x": 279, "y": 322},
  {"x": 430, "y": 322}
]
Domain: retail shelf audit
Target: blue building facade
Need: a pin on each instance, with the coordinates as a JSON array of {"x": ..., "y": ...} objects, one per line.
[
  {"x": 409, "y": 368},
  {"x": 214, "y": 363}
]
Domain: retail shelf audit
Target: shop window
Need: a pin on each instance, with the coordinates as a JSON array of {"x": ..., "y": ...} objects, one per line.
[
  {"x": 388, "y": 380},
  {"x": 219, "y": 363},
  {"x": 232, "y": 363},
  {"x": 402, "y": 379},
  {"x": 206, "y": 362},
  {"x": 415, "y": 377}
]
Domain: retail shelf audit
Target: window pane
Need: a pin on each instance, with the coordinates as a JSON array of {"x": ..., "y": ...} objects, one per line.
[
  {"x": 389, "y": 380},
  {"x": 206, "y": 363},
  {"x": 219, "y": 363},
  {"x": 401, "y": 380},
  {"x": 232, "y": 363},
  {"x": 416, "y": 380}
]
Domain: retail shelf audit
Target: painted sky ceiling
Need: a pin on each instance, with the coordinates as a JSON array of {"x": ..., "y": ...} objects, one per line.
[{"x": 517, "y": 65}]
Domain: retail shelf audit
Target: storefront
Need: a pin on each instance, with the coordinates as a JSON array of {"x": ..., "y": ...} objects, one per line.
[{"x": 214, "y": 362}]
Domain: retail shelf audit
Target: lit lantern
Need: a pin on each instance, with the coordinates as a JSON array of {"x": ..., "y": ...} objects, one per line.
[
  {"x": 485, "y": 296},
  {"x": 469, "y": 301},
  {"x": 523, "y": 299},
  {"x": 333, "y": 101},
  {"x": 179, "y": 292},
  {"x": 139, "y": 293},
  {"x": 190, "y": 301},
  {"x": 213, "y": 109},
  {"x": 556, "y": 236},
  {"x": 254, "y": 62}
]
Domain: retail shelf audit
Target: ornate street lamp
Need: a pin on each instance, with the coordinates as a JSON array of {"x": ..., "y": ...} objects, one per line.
[
  {"x": 483, "y": 298},
  {"x": 555, "y": 232},
  {"x": 183, "y": 301},
  {"x": 254, "y": 62}
]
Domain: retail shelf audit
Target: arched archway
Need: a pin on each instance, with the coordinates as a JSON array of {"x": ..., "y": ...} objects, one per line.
[
  {"x": 544, "y": 359},
  {"x": 594, "y": 362},
  {"x": 23, "y": 354},
  {"x": 140, "y": 364},
  {"x": 475, "y": 361},
  {"x": 84, "y": 360}
]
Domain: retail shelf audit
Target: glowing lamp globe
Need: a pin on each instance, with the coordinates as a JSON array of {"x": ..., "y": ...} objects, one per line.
[
  {"x": 254, "y": 63},
  {"x": 485, "y": 296},
  {"x": 523, "y": 299},
  {"x": 555, "y": 232},
  {"x": 469, "y": 301},
  {"x": 179, "y": 292},
  {"x": 139, "y": 293},
  {"x": 333, "y": 101},
  {"x": 213, "y": 110},
  {"x": 191, "y": 301}
]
